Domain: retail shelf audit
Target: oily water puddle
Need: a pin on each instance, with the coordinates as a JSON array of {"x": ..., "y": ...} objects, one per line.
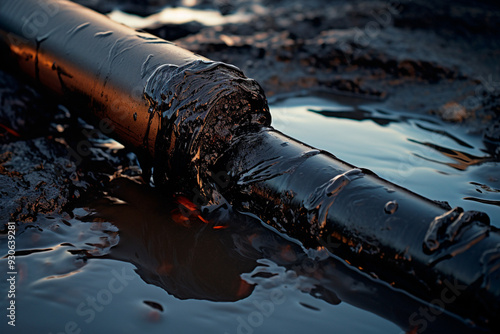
[{"x": 135, "y": 261}]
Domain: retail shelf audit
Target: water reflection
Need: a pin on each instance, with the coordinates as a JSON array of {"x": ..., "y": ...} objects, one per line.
[
  {"x": 357, "y": 115},
  {"x": 484, "y": 201},
  {"x": 172, "y": 246},
  {"x": 378, "y": 116},
  {"x": 223, "y": 255},
  {"x": 461, "y": 160}
]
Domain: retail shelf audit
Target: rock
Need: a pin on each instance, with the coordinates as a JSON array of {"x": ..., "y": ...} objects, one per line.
[
  {"x": 453, "y": 112},
  {"x": 36, "y": 176}
]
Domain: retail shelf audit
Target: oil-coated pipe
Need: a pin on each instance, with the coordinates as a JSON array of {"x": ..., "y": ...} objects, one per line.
[
  {"x": 101, "y": 64},
  {"x": 205, "y": 128}
]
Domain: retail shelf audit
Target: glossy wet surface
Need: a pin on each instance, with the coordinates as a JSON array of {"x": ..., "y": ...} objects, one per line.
[
  {"x": 133, "y": 260},
  {"x": 437, "y": 160}
]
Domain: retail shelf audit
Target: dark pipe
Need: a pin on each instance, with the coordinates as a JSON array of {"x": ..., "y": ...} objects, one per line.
[
  {"x": 381, "y": 228},
  {"x": 205, "y": 127},
  {"x": 101, "y": 64}
]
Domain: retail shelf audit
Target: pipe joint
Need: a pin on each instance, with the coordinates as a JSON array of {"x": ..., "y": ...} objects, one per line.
[{"x": 201, "y": 105}]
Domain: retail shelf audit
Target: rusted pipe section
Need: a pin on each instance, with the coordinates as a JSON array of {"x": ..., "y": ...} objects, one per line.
[{"x": 204, "y": 128}]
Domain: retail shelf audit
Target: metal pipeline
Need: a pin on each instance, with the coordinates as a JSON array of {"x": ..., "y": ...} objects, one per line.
[
  {"x": 205, "y": 129},
  {"x": 118, "y": 72}
]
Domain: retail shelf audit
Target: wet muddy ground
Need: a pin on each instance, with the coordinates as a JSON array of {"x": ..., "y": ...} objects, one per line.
[{"x": 437, "y": 59}]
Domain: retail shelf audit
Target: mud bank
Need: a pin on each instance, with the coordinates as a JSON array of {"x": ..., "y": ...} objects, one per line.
[{"x": 48, "y": 157}]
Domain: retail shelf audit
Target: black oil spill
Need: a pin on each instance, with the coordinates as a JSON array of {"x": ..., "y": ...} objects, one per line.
[
  {"x": 490, "y": 260},
  {"x": 268, "y": 169},
  {"x": 319, "y": 202},
  {"x": 220, "y": 266},
  {"x": 447, "y": 228},
  {"x": 37, "y": 68},
  {"x": 103, "y": 34},
  {"x": 391, "y": 207},
  {"x": 202, "y": 106},
  {"x": 145, "y": 65},
  {"x": 184, "y": 261},
  {"x": 76, "y": 29}
]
